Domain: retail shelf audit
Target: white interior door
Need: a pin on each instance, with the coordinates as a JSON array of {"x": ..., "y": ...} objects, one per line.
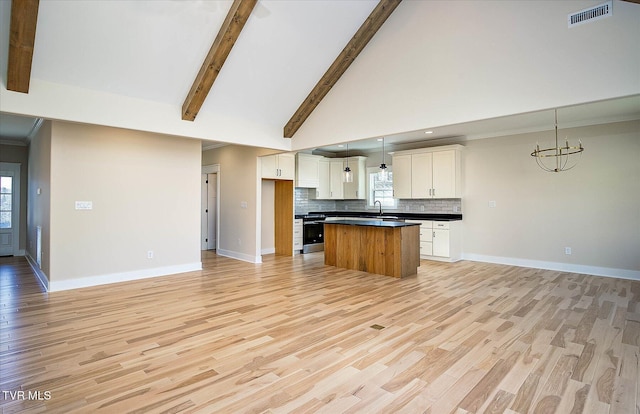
[
  {"x": 212, "y": 202},
  {"x": 208, "y": 211},
  {"x": 9, "y": 208}
]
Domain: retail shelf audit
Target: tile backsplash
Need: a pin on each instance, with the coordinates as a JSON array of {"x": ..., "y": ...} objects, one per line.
[{"x": 305, "y": 202}]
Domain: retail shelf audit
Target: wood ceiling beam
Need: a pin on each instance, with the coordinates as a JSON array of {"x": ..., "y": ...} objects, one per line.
[
  {"x": 222, "y": 45},
  {"x": 22, "y": 37},
  {"x": 357, "y": 43},
  {"x": 633, "y": 1}
]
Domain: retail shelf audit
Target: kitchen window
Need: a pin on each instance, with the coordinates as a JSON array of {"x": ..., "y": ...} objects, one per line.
[{"x": 380, "y": 190}]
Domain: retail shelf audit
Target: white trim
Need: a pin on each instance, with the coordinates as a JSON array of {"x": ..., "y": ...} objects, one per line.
[
  {"x": 563, "y": 267},
  {"x": 42, "y": 278},
  {"x": 268, "y": 250},
  {"x": 56, "y": 286},
  {"x": 211, "y": 169},
  {"x": 14, "y": 170},
  {"x": 213, "y": 146},
  {"x": 239, "y": 256}
]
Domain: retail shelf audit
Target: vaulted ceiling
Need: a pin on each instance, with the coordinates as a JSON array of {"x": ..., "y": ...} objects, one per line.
[{"x": 132, "y": 63}]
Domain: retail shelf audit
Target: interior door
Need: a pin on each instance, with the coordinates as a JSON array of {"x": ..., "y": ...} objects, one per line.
[
  {"x": 9, "y": 208},
  {"x": 208, "y": 205}
]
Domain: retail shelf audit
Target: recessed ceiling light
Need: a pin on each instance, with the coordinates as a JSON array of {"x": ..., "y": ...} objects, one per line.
[
  {"x": 428, "y": 132},
  {"x": 340, "y": 146},
  {"x": 379, "y": 139}
]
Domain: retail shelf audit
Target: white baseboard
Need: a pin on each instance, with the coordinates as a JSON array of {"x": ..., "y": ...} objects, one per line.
[
  {"x": 240, "y": 256},
  {"x": 562, "y": 267},
  {"x": 56, "y": 286},
  {"x": 269, "y": 250},
  {"x": 42, "y": 278}
]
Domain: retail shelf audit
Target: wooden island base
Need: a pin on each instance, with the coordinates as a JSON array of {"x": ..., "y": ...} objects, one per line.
[{"x": 374, "y": 248}]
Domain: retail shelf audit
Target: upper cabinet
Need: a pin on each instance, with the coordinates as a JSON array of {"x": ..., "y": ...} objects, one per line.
[
  {"x": 356, "y": 190},
  {"x": 332, "y": 185},
  {"x": 307, "y": 170},
  {"x": 279, "y": 166},
  {"x": 428, "y": 173}
]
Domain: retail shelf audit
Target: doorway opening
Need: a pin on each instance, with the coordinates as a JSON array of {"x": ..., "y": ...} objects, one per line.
[{"x": 9, "y": 208}]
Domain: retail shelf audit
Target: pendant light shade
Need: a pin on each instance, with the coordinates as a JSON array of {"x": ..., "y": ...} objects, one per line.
[
  {"x": 383, "y": 174},
  {"x": 347, "y": 174}
]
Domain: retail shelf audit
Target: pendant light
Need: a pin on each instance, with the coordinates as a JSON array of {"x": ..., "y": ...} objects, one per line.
[
  {"x": 347, "y": 175},
  {"x": 558, "y": 158},
  {"x": 383, "y": 174}
]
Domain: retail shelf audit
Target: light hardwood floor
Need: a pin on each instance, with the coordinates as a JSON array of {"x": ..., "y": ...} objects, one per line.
[{"x": 295, "y": 336}]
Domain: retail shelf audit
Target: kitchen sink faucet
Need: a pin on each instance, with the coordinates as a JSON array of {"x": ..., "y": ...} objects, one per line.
[{"x": 378, "y": 202}]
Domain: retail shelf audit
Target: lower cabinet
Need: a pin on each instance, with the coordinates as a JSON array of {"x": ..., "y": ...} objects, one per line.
[{"x": 439, "y": 240}]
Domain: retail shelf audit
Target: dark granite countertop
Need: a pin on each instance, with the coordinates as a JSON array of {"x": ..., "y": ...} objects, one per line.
[
  {"x": 400, "y": 215},
  {"x": 372, "y": 223}
]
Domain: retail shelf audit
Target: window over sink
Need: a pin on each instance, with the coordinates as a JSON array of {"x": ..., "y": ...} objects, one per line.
[{"x": 380, "y": 190}]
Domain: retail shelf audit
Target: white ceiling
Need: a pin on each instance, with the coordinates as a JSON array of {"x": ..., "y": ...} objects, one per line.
[{"x": 152, "y": 50}]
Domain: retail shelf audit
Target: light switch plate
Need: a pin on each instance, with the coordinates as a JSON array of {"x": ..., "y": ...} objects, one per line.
[{"x": 84, "y": 205}]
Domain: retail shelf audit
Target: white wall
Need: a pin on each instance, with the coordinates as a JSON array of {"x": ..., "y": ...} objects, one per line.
[
  {"x": 239, "y": 182},
  {"x": 593, "y": 208},
  {"x": 436, "y": 63},
  {"x": 39, "y": 202},
  {"x": 145, "y": 190}
]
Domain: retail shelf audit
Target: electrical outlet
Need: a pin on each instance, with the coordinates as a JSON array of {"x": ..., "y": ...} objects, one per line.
[
  {"x": 567, "y": 250},
  {"x": 150, "y": 254},
  {"x": 492, "y": 204}
]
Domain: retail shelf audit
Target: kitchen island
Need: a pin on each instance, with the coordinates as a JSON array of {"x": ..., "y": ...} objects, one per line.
[{"x": 389, "y": 248}]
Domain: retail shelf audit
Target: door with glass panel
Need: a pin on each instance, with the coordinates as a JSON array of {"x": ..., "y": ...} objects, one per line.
[{"x": 9, "y": 176}]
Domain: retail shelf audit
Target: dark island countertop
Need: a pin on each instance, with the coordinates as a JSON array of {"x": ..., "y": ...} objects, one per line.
[
  {"x": 399, "y": 214},
  {"x": 372, "y": 223}
]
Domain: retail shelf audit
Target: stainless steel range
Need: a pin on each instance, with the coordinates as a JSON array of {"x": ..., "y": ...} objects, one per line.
[{"x": 313, "y": 233}]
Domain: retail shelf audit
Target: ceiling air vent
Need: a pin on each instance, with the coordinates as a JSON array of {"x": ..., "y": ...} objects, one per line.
[{"x": 591, "y": 14}]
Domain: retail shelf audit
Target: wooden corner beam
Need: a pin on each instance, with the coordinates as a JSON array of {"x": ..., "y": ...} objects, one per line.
[
  {"x": 357, "y": 43},
  {"x": 222, "y": 45},
  {"x": 22, "y": 37}
]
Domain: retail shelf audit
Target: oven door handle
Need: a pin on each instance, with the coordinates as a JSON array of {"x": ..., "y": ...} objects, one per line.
[{"x": 313, "y": 222}]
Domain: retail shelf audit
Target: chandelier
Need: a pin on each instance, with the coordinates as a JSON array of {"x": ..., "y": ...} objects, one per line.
[{"x": 558, "y": 158}]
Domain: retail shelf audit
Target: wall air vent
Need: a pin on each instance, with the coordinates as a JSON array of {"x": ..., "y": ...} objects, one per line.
[{"x": 591, "y": 14}]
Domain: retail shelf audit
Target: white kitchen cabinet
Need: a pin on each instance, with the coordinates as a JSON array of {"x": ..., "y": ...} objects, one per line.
[
  {"x": 331, "y": 185},
  {"x": 446, "y": 175},
  {"x": 307, "y": 170},
  {"x": 323, "y": 191},
  {"x": 278, "y": 167},
  {"x": 422, "y": 175},
  {"x": 401, "y": 175},
  {"x": 335, "y": 180},
  {"x": 357, "y": 189},
  {"x": 439, "y": 240},
  {"x": 428, "y": 173}
]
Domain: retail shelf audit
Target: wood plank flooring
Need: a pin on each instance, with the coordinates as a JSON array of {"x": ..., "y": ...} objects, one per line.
[{"x": 295, "y": 336}]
